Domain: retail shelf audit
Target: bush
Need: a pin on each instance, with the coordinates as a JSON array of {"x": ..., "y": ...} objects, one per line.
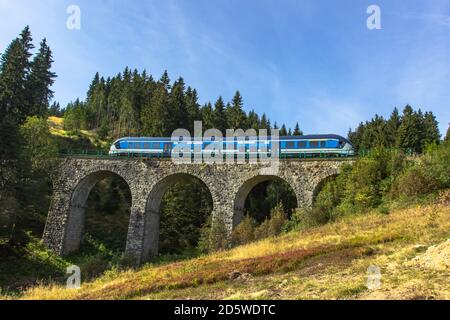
[
  {"x": 412, "y": 182},
  {"x": 214, "y": 236},
  {"x": 429, "y": 174},
  {"x": 244, "y": 232},
  {"x": 272, "y": 226},
  {"x": 301, "y": 219}
]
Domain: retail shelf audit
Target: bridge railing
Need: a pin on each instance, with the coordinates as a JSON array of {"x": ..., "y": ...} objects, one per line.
[{"x": 105, "y": 154}]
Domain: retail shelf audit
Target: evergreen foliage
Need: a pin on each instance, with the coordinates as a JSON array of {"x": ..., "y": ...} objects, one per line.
[{"x": 411, "y": 131}]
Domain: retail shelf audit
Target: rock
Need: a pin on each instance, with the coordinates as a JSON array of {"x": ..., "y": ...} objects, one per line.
[
  {"x": 236, "y": 275},
  {"x": 436, "y": 257}
]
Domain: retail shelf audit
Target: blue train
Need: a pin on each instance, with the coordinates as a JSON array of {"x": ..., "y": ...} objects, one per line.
[{"x": 289, "y": 147}]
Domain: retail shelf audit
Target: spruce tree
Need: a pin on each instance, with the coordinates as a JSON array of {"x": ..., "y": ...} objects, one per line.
[
  {"x": 235, "y": 115},
  {"x": 192, "y": 108},
  {"x": 176, "y": 113},
  {"x": 165, "y": 80},
  {"x": 264, "y": 123},
  {"x": 297, "y": 131},
  {"x": 55, "y": 110},
  {"x": 392, "y": 125},
  {"x": 409, "y": 132},
  {"x": 253, "y": 120},
  {"x": 159, "y": 124},
  {"x": 431, "y": 129},
  {"x": 39, "y": 81},
  {"x": 219, "y": 116},
  {"x": 283, "y": 131},
  {"x": 14, "y": 70},
  {"x": 207, "y": 116}
]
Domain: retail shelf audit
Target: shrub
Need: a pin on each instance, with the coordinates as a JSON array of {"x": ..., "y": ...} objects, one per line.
[
  {"x": 93, "y": 266},
  {"x": 244, "y": 232},
  {"x": 272, "y": 226},
  {"x": 214, "y": 236},
  {"x": 301, "y": 219},
  {"x": 429, "y": 174},
  {"x": 414, "y": 181}
]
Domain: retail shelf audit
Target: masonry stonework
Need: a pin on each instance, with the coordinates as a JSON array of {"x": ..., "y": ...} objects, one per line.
[{"x": 148, "y": 180}]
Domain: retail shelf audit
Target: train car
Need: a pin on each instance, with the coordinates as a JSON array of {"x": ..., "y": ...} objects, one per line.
[
  {"x": 315, "y": 145},
  {"x": 289, "y": 147}
]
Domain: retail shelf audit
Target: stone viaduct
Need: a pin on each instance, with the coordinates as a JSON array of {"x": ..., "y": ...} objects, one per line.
[{"x": 148, "y": 180}]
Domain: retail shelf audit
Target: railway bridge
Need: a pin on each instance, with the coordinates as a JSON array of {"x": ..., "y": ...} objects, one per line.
[{"x": 148, "y": 180}]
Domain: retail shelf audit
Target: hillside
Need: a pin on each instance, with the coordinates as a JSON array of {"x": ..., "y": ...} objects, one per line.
[
  {"x": 328, "y": 262},
  {"x": 75, "y": 140}
]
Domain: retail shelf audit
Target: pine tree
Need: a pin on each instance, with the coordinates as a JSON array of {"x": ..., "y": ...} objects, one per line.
[
  {"x": 409, "y": 132},
  {"x": 253, "y": 120},
  {"x": 165, "y": 80},
  {"x": 447, "y": 136},
  {"x": 431, "y": 129},
  {"x": 235, "y": 115},
  {"x": 219, "y": 116},
  {"x": 14, "y": 70},
  {"x": 192, "y": 108},
  {"x": 159, "y": 121},
  {"x": 392, "y": 125},
  {"x": 176, "y": 112},
  {"x": 93, "y": 86},
  {"x": 297, "y": 131},
  {"x": 39, "y": 81},
  {"x": 283, "y": 131},
  {"x": 264, "y": 123},
  {"x": 55, "y": 110},
  {"x": 207, "y": 116}
]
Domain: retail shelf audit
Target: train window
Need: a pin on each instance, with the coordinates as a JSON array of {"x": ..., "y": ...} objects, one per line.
[
  {"x": 302, "y": 144},
  {"x": 146, "y": 145},
  {"x": 313, "y": 144},
  {"x": 322, "y": 144},
  {"x": 290, "y": 144}
]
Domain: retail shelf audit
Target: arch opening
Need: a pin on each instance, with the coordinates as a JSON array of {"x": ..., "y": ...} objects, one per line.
[
  {"x": 259, "y": 195},
  {"x": 177, "y": 208},
  {"x": 99, "y": 214}
]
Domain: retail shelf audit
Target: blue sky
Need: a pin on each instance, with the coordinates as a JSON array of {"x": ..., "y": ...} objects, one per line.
[{"x": 311, "y": 61}]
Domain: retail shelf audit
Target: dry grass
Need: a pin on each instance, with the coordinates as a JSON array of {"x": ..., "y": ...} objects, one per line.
[{"x": 327, "y": 262}]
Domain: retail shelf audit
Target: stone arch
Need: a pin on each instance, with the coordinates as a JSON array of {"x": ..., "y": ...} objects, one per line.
[
  {"x": 153, "y": 206},
  {"x": 244, "y": 190},
  {"x": 77, "y": 207}
]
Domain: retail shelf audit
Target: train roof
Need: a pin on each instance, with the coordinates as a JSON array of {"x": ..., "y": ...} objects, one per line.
[
  {"x": 316, "y": 136},
  {"x": 306, "y": 137}
]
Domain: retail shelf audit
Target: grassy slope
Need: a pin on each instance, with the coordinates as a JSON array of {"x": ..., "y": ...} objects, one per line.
[
  {"x": 328, "y": 262},
  {"x": 75, "y": 140}
]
